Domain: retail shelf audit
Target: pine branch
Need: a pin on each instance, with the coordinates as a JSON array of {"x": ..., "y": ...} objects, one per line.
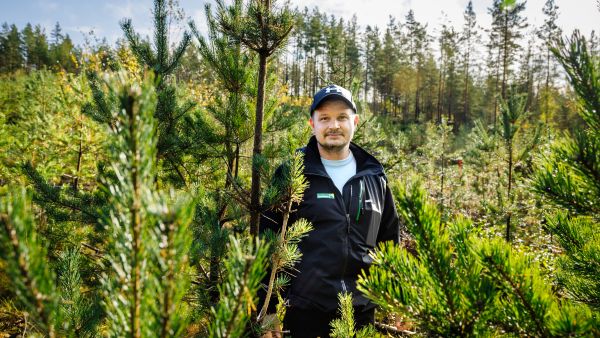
[
  {"x": 172, "y": 260},
  {"x": 141, "y": 49},
  {"x": 424, "y": 220},
  {"x": 583, "y": 73},
  {"x": 290, "y": 185},
  {"x": 128, "y": 223},
  {"x": 102, "y": 109},
  {"x": 178, "y": 53},
  {"x": 500, "y": 261},
  {"x": 344, "y": 326},
  {"x": 245, "y": 268},
  {"x": 80, "y": 207},
  {"x": 80, "y": 313},
  {"x": 26, "y": 260}
]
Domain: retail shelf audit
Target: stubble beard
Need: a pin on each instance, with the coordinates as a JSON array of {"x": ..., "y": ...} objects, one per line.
[{"x": 334, "y": 148}]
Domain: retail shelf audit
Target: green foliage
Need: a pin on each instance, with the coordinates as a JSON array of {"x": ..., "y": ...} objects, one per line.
[
  {"x": 482, "y": 156},
  {"x": 48, "y": 142},
  {"x": 527, "y": 302},
  {"x": 175, "y": 139},
  {"x": 25, "y": 254},
  {"x": 457, "y": 284},
  {"x": 225, "y": 125},
  {"x": 29, "y": 49},
  {"x": 260, "y": 25},
  {"x": 442, "y": 287},
  {"x": 263, "y": 27},
  {"x": 569, "y": 177},
  {"x": 63, "y": 204},
  {"x": 10, "y": 48},
  {"x": 245, "y": 266},
  {"x": 148, "y": 244},
  {"x": 50, "y": 295},
  {"x": 578, "y": 271},
  {"x": 512, "y": 118},
  {"x": 158, "y": 59},
  {"x": 512, "y": 115},
  {"x": 287, "y": 191},
  {"x": 582, "y": 70},
  {"x": 345, "y": 326},
  {"x": 81, "y": 315}
]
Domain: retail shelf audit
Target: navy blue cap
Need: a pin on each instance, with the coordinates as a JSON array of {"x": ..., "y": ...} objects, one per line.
[{"x": 329, "y": 92}]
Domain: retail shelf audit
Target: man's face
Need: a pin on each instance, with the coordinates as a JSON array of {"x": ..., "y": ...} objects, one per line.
[{"x": 333, "y": 124}]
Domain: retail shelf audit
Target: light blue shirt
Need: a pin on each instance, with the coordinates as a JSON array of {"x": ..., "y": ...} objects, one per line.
[{"x": 340, "y": 171}]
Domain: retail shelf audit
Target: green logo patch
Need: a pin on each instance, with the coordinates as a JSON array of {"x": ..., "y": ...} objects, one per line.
[{"x": 328, "y": 195}]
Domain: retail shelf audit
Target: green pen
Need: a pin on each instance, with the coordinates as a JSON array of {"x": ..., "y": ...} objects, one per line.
[{"x": 359, "y": 199}]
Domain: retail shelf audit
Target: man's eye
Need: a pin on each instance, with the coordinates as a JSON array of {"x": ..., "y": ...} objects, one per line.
[
  {"x": 324, "y": 118},
  {"x": 343, "y": 118}
]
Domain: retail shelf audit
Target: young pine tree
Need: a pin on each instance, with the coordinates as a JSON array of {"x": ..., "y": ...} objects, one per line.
[
  {"x": 146, "y": 270},
  {"x": 224, "y": 126},
  {"x": 569, "y": 177},
  {"x": 146, "y": 273},
  {"x": 286, "y": 191},
  {"x": 460, "y": 285},
  {"x": 25, "y": 256},
  {"x": 345, "y": 326},
  {"x": 263, "y": 28},
  {"x": 49, "y": 293},
  {"x": 175, "y": 139},
  {"x": 174, "y": 136},
  {"x": 245, "y": 266},
  {"x": 513, "y": 116}
]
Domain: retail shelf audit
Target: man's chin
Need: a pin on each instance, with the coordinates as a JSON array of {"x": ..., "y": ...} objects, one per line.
[{"x": 333, "y": 147}]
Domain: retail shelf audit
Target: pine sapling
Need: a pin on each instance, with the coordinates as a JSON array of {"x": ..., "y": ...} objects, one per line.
[
  {"x": 148, "y": 242},
  {"x": 290, "y": 191},
  {"x": 513, "y": 118},
  {"x": 245, "y": 265},
  {"x": 345, "y": 326},
  {"x": 264, "y": 29},
  {"x": 26, "y": 262}
]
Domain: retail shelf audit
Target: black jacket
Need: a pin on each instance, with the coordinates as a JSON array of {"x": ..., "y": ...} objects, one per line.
[{"x": 346, "y": 227}]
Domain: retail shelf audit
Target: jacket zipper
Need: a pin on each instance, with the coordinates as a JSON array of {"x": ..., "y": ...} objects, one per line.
[
  {"x": 347, "y": 237},
  {"x": 360, "y": 193},
  {"x": 347, "y": 251}
]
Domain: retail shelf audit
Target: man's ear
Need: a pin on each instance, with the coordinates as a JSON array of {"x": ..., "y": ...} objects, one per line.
[
  {"x": 311, "y": 122},
  {"x": 356, "y": 120}
]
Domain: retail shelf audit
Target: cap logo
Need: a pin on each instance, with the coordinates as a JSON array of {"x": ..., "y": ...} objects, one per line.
[{"x": 335, "y": 89}]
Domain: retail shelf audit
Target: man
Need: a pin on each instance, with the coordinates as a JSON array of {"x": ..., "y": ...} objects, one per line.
[{"x": 350, "y": 206}]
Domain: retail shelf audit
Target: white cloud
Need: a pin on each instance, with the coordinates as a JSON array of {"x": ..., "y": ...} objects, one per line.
[{"x": 120, "y": 10}]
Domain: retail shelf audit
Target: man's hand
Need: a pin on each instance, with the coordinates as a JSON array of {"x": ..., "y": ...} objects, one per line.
[{"x": 271, "y": 326}]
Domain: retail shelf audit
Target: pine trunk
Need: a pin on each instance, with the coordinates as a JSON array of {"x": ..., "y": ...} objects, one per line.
[{"x": 257, "y": 150}]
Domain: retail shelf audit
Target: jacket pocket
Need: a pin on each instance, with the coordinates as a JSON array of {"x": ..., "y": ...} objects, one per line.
[
  {"x": 372, "y": 218},
  {"x": 369, "y": 211}
]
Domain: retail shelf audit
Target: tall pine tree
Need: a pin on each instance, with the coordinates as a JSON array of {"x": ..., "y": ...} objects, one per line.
[{"x": 263, "y": 28}]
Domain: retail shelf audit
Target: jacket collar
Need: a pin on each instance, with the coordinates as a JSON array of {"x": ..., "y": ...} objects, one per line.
[{"x": 366, "y": 164}]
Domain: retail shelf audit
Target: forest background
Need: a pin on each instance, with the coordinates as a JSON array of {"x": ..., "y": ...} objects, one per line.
[{"x": 132, "y": 175}]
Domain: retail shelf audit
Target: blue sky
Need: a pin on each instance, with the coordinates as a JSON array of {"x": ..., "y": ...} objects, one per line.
[{"x": 78, "y": 18}]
